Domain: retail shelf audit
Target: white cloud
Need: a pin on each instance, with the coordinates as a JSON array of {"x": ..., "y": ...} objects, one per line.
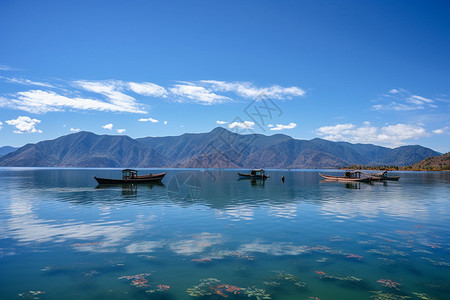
[
  {"x": 121, "y": 130},
  {"x": 197, "y": 94},
  {"x": 221, "y": 122},
  {"x": 28, "y": 82},
  {"x": 148, "y": 120},
  {"x": 112, "y": 89},
  {"x": 242, "y": 125},
  {"x": 393, "y": 135},
  {"x": 281, "y": 127},
  {"x": 74, "y": 129},
  {"x": 248, "y": 90},
  {"x": 6, "y": 68},
  {"x": 108, "y": 126},
  {"x": 165, "y": 122},
  {"x": 25, "y": 125},
  {"x": 436, "y": 131},
  {"x": 38, "y": 101},
  {"x": 1, "y": 125},
  {"x": 148, "y": 89},
  {"x": 402, "y": 100}
]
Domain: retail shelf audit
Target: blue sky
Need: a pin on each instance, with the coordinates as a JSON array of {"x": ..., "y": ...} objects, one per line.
[{"x": 358, "y": 71}]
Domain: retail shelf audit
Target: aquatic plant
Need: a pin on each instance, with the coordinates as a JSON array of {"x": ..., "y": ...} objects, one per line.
[
  {"x": 138, "y": 280},
  {"x": 323, "y": 275},
  {"x": 437, "y": 263},
  {"x": 379, "y": 295},
  {"x": 285, "y": 278},
  {"x": 388, "y": 283},
  {"x": 259, "y": 294},
  {"x": 422, "y": 296},
  {"x": 159, "y": 289},
  {"x": 31, "y": 294},
  {"x": 210, "y": 286},
  {"x": 354, "y": 256},
  {"x": 90, "y": 273}
]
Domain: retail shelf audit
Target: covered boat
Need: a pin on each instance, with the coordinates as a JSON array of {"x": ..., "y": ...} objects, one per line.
[
  {"x": 349, "y": 176},
  {"x": 383, "y": 176},
  {"x": 255, "y": 174},
  {"x": 131, "y": 176}
]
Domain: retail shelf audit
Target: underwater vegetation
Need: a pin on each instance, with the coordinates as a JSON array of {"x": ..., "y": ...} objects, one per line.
[
  {"x": 323, "y": 275},
  {"x": 379, "y": 295},
  {"x": 388, "y": 283},
  {"x": 141, "y": 281},
  {"x": 31, "y": 294},
  {"x": 284, "y": 278},
  {"x": 213, "y": 286}
]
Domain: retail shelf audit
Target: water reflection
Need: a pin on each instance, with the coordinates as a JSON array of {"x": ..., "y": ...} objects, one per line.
[{"x": 130, "y": 189}]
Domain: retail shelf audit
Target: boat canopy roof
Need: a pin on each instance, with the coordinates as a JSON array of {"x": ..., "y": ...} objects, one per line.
[
  {"x": 257, "y": 171},
  {"x": 382, "y": 173},
  {"x": 129, "y": 173}
]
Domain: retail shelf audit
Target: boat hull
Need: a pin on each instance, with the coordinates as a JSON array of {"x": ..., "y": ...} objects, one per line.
[
  {"x": 248, "y": 176},
  {"x": 393, "y": 178},
  {"x": 345, "y": 179},
  {"x": 142, "y": 179}
]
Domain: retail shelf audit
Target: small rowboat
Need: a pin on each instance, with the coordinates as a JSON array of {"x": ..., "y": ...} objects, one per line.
[
  {"x": 349, "y": 176},
  {"x": 254, "y": 174},
  {"x": 130, "y": 176}
]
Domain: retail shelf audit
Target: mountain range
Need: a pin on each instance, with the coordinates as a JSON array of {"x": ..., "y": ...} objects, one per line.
[
  {"x": 218, "y": 148},
  {"x": 434, "y": 163}
]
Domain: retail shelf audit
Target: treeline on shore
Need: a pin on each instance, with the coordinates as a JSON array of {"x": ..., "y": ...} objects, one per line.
[{"x": 397, "y": 168}]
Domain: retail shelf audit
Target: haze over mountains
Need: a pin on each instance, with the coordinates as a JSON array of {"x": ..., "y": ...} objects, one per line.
[{"x": 219, "y": 148}]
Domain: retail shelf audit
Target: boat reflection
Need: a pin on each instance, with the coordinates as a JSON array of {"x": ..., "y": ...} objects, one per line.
[
  {"x": 130, "y": 189},
  {"x": 254, "y": 181},
  {"x": 348, "y": 185}
]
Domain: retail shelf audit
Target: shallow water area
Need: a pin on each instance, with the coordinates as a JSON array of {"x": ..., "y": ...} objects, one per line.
[{"x": 204, "y": 234}]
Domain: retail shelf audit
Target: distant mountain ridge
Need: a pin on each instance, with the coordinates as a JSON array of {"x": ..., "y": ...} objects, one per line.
[
  {"x": 6, "y": 149},
  {"x": 218, "y": 148},
  {"x": 441, "y": 162}
]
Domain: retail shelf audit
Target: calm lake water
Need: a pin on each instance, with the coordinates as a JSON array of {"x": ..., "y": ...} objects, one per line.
[{"x": 204, "y": 232}]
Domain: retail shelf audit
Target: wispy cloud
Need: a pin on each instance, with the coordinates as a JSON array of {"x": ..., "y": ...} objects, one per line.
[
  {"x": 116, "y": 95},
  {"x": 148, "y": 120},
  {"x": 248, "y": 90},
  {"x": 6, "y": 68},
  {"x": 1, "y": 125},
  {"x": 242, "y": 125},
  {"x": 27, "y": 82},
  {"x": 221, "y": 122},
  {"x": 391, "y": 135},
  {"x": 112, "y": 89},
  {"x": 108, "y": 126},
  {"x": 121, "y": 130},
  {"x": 281, "y": 126},
  {"x": 402, "y": 100},
  {"x": 189, "y": 92},
  {"x": 148, "y": 89},
  {"x": 39, "y": 101},
  {"x": 25, "y": 124},
  {"x": 74, "y": 129}
]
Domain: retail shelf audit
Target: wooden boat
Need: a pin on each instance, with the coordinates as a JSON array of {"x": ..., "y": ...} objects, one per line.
[
  {"x": 382, "y": 176},
  {"x": 349, "y": 176},
  {"x": 255, "y": 174},
  {"x": 131, "y": 176}
]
